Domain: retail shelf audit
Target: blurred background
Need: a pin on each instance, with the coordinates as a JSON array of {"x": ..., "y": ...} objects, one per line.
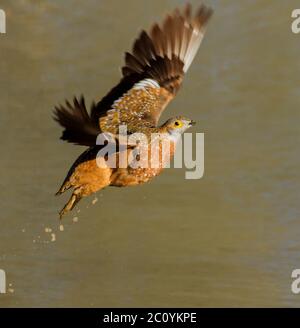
[{"x": 230, "y": 239}]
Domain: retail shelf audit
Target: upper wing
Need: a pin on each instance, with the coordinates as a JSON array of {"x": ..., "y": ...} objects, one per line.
[
  {"x": 152, "y": 75},
  {"x": 154, "y": 71}
]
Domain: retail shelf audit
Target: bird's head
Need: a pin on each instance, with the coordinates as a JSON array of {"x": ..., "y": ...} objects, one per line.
[{"x": 178, "y": 125}]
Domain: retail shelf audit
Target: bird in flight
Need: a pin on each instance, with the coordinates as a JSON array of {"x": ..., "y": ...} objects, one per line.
[{"x": 151, "y": 76}]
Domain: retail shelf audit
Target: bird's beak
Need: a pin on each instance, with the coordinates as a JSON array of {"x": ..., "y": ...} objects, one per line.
[{"x": 192, "y": 123}]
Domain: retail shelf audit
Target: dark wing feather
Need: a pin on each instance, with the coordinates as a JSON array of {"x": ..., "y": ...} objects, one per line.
[{"x": 79, "y": 128}]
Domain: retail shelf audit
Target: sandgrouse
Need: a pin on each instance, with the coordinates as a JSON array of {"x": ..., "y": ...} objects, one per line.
[{"x": 152, "y": 75}]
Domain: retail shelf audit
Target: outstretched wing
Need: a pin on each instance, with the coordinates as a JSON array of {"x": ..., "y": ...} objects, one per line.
[
  {"x": 152, "y": 75},
  {"x": 79, "y": 128},
  {"x": 154, "y": 71}
]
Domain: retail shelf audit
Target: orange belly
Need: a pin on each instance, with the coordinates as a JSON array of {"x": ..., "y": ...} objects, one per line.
[{"x": 146, "y": 168}]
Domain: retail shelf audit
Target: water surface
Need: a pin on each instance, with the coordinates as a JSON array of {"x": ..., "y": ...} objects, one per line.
[{"x": 231, "y": 238}]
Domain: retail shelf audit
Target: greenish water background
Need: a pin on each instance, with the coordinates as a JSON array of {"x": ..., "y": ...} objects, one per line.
[{"x": 231, "y": 238}]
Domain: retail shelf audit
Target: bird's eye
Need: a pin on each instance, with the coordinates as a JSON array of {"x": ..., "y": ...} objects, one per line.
[{"x": 177, "y": 123}]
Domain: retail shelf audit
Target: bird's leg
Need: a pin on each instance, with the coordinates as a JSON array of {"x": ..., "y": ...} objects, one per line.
[{"x": 74, "y": 199}]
